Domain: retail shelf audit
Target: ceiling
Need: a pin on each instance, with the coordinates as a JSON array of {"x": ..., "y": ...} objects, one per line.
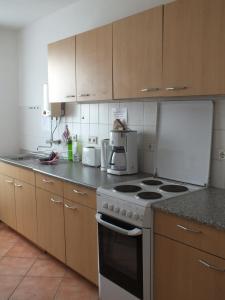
[{"x": 19, "y": 13}]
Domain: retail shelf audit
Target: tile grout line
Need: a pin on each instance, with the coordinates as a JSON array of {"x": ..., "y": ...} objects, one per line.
[
  {"x": 16, "y": 287},
  {"x": 23, "y": 277},
  {"x": 58, "y": 287}
]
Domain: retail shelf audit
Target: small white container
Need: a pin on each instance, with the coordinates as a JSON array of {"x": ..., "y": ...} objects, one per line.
[{"x": 91, "y": 156}]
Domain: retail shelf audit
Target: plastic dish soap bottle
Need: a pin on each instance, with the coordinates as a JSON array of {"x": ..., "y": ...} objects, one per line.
[{"x": 70, "y": 149}]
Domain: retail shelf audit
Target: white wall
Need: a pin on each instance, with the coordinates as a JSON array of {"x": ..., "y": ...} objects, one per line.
[{"x": 8, "y": 92}]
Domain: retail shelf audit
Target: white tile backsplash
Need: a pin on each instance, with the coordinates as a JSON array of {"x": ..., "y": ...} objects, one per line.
[
  {"x": 96, "y": 120},
  {"x": 76, "y": 113},
  {"x": 103, "y": 113},
  {"x": 94, "y": 108},
  {"x": 85, "y": 113}
]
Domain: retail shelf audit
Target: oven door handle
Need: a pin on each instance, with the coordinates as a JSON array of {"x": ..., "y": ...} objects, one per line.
[{"x": 133, "y": 232}]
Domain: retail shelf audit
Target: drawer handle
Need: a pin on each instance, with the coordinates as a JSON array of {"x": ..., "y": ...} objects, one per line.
[
  {"x": 145, "y": 90},
  {"x": 176, "y": 88},
  {"x": 84, "y": 95},
  {"x": 18, "y": 185},
  {"x": 70, "y": 207},
  {"x": 70, "y": 96},
  {"x": 188, "y": 229},
  {"x": 47, "y": 181},
  {"x": 80, "y": 193},
  {"x": 56, "y": 201},
  {"x": 9, "y": 181},
  {"x": 207, "y": 265}
]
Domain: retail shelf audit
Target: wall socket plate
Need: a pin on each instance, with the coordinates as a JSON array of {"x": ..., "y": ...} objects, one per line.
[
  {"x": 221, "y": 154},
  {"x": 93, "y": 140}
]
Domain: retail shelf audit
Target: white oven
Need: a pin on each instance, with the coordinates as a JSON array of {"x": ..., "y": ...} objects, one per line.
[{"x": 124, "y": 260}]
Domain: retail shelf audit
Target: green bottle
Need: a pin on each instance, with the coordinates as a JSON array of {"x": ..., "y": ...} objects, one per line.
[{"x": 70, "y": 149}]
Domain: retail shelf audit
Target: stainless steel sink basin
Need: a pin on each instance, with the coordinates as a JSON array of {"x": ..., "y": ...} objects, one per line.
[{"x": 25, "y": 156}]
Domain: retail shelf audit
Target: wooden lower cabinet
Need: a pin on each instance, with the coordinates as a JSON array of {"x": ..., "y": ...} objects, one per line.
[
  {"x": 181, "y": 272},
  {"x": 50, "y": 223},
  {"x": 81, "y": 239},
  {"x": 26, "y": 212},
  {"x": 7, "y": 201}
]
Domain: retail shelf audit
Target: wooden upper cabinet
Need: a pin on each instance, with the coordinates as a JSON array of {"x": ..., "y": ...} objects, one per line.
[
  {"x": 94, "y": 64},
  {"x": 137, "y": 55},
  {"x": 61, "y": 71},
  {"x": 194, "y": 47}
]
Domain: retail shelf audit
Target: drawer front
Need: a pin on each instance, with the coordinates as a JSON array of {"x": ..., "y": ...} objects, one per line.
[
  {"x": 19, "y": 173},
  {"x": 80, "y": 194},
  {"x": 49, "y": 184},
  {"x": 197, "y": 235}
]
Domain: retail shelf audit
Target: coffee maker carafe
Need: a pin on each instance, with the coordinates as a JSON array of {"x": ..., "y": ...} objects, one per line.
[{"x": 123, "y": 158}]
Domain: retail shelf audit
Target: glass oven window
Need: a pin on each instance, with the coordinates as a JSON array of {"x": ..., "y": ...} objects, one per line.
[{"x": 120, "y": 257}]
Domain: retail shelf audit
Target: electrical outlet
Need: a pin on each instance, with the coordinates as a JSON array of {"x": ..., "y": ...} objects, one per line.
[
  {"x": 221, "y": 154},
  {"x": 93, "y": 140}
]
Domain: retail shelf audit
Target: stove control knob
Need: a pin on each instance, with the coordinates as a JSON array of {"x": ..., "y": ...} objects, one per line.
[
  {"x": 129, "y": 214},
  {"x": 123, "y": 212},
  {"x": 116, "y": 210},
  {"x": 111, "y": 207},
  {"x": 136, "y": 216},
  {"x": 105, "y": 205}
]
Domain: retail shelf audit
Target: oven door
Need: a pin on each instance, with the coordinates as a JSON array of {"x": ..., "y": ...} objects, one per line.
[{"x": 120, "y": 254}]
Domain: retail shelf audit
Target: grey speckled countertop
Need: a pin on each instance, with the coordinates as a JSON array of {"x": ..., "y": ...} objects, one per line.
[
  {"x": 206, "y": 206},
  {"x": 74, "y": 172}
]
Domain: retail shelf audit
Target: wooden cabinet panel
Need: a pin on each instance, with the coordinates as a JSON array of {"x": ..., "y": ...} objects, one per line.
[
  {"x": 7, "y": 201},
  {"x": 94, "y": 64},
  {"x": 50, "y": 223},
  {"x": 26, "y": 213},
  {"x": 199, "y": 236},
  {"x": 49, "y": 183},
  {"x": 81, "y": 240},
  {"x": 137, "y": 55},
  {"x": 17, "y": 172},
  {"x": 180, "y": 273},
  {"x": 80, "y": 194},
  {"x": 61, "y": 71},
  {"x": 194, "y": 47}
]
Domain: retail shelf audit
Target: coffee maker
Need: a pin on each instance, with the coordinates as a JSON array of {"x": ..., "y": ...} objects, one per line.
[{"x": 123, "y": 157}]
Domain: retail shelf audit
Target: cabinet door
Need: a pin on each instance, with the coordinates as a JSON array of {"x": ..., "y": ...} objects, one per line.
[
  {"x": 194, "y": 47},
  {"x": 26, "y": 213},
  {"x": 137, "y": 55},
  {"x": 50, "y": 223},
  {"x": 61, "y": 71},
  {"x": 182, "y": 272},
  {"x": 7, "y": 202},
  {"x": 94, "y": 64},
  {"x": 81, "y": 240}
]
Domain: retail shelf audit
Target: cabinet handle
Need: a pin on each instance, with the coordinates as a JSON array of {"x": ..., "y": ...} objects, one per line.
[
  {"x": 80, "y": 193},
  {"x": 176, "y": 88},
  {"x": 18, "y": 185},
  {"x": 84, "y": 95},
  {"x": 56, "y": 201},
  {"x": 149, "y": 90},
  {"x": 188, "y": 229},
  {"x": 47, "y": 181},
  {"x": 9, "y": 181},
  {"x": 207, "y": 265},
  {"x": 70, "y": 96},
  {"x": 70, "y": 207}
]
